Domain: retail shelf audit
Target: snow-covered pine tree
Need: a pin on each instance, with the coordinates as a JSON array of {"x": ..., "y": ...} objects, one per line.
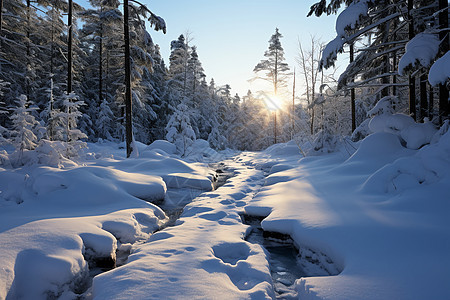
[
  {"x": 25, "y": 129},
  {"x": 105, "y": 121},
  {"x": 67, "y": 125},
  {"x": 178, "y": 60},
  {"x": 179, "y": 129},
  {"x": 275, "y": 66}
]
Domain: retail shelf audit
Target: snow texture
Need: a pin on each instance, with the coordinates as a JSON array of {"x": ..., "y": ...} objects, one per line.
[
  {"x": 376, "y": 222},
  {"x": 440, "y": 70},
  {"x": 350, "y": 16},
  {"x": 420, "y": 51}
]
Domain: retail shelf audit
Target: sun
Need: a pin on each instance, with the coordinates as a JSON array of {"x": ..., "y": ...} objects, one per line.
[{"x": 273, "y": 102}]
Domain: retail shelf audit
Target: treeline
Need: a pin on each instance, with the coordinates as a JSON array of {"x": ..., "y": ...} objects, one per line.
[{"x": 173, "y": 102}]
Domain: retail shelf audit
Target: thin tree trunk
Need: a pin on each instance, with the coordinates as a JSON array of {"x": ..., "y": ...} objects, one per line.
[
  {"x": 385, "y": 80},
  {"x": 128, "y": 102},
  {"x": 69, "y": 48},
  {"x": 1, "y": 24},
  {"x": 313, "y": 84},
  {"x": 394, "y": 76},
  {"x": 100, "y": 65},
  {"x": 276, "y": 73},
  {"x": 412, "y": 84},
  {"x": 352, "y": 92},
  {"x": 28, "y": 80},
  {"x": 430, "y": 102},
  {"x": 423, "y": 98},
  {"x": 444, "y": 107},
  {"x": 293, "y": 109},
  {"x": 275, "y": 125}
]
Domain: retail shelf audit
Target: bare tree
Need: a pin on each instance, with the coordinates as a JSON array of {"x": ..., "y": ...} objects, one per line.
[{"x": 308, "y": 61}]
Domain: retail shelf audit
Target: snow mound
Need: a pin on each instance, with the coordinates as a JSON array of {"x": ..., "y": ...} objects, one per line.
[
  {"x": 188, "y": 180},
  {"x": 376, "y": 150},
  {"x": 429, "y": 165},
  {"x": 94, "y": 183},
  {"x": 390, "y": 123},
  {"x": 413, "y": 135},
  {"x": 163, "y": 145},
  {"x": 284, "y": 149}
]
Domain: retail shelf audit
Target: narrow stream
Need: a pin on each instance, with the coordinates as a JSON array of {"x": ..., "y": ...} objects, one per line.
[
  {"x": 176, "y": 199},
  {"x": 283, "y": 258}
]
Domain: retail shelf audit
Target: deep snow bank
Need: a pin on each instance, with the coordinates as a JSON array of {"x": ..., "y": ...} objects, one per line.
[
  {"x": 380, "y": 215},
  {"x": 56, "y": 224}
]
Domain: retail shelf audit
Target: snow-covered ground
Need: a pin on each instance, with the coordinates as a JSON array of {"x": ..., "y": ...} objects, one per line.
[{"x": 375, "y": 222}]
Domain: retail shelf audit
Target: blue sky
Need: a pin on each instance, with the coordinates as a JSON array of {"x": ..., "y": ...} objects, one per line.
[{"x": 231, "y": 36}]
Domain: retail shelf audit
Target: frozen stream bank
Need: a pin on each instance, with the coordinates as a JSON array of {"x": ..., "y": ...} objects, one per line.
[{"x": 209, "y": 252}]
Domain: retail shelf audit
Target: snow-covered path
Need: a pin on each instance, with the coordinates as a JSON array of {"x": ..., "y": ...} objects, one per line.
[
  {"x": 204, "y": 255},
  {"x": 377, "y": 219}
]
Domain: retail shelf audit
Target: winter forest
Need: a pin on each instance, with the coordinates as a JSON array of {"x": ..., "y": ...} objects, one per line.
[{"x": 125, "y": 174}]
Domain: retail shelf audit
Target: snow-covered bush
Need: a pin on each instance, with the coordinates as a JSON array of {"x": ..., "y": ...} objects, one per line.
[
  {"x": 325, "y": 141},
  {"x": 216, "y": 139}
]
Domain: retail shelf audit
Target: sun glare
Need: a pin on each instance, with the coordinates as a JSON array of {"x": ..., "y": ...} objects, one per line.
[{"x": 273, "y": 102}]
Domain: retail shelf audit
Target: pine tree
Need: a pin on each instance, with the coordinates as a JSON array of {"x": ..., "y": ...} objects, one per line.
[
  {"x": 275, "y": 67},
  {"x": 179, "y": 129},
  {"x": 25, "y": 128}
]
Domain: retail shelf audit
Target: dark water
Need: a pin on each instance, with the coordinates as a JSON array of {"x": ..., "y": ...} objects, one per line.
[{"x": 283, "y": 260}]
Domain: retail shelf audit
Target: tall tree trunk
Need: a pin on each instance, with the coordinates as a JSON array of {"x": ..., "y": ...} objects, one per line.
[
  {"x": 128, "y": 102},
  {"x": 412, "y": 84},
  {"x": 431, "y": 102},
  {"x": 1, "y": 24},
  {"x": 385, "y": 80},
  {"x": 423, "y": 97},
  {"x": 275, "y": 125},
  {"x": 100, "y": 63},
  {"x": 293, "y": 109},
  {"x": 313, "y": 85},
  {"x": 69, "y": 48},
  {"x": 352, "y": 91},
  {"x": 27, "y": 71},
  {"x": 394, "y": 75},
  {"x": 444, "y": 107}
]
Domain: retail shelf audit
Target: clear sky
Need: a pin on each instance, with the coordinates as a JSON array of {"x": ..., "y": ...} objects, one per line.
[{"x": 232, "y": 36}]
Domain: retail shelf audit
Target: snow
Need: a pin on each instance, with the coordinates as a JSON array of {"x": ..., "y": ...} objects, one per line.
[
  {"x": 371, "y": 225},
  {"x": 204, "y": 256},
  {"x": 350, "y": 16},
  {"x": 162, "y": 145},
  {"x": 382, "y": 241},
  {"x": 421, "y": 50},
  {"x": 329, "y": 53},
  {"x": 54, "y": 219},
  {"x": 440, "y": 70}
]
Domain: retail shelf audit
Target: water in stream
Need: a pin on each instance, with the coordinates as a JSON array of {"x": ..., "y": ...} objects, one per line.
[{"x": 283, "y": 260}]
